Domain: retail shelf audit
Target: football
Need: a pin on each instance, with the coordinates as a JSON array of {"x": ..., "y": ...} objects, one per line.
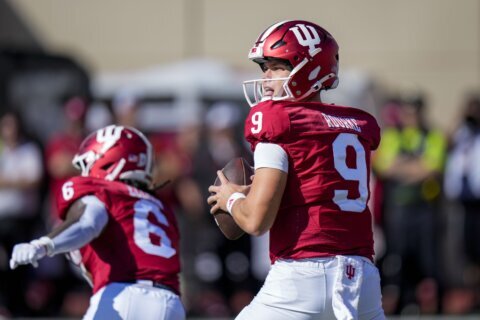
[{"x": 237, "y": 171}]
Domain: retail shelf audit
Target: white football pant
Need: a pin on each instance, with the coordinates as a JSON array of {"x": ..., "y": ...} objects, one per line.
[
  {"x": 134, "y": 301},
  {"x": 341, "y": 287}
]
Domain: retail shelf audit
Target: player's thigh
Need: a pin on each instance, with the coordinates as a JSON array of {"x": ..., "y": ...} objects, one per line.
[
  {"x": 175, "y": 309},
  {"x": 132, "y": 302},
  {"x": 296, "y": 291},
  {"x": 148, "y": 303},
  {"x": 370, "y": 301},
  {"x": 102, "y": 303},
  {"x": 262, "y": 311}
]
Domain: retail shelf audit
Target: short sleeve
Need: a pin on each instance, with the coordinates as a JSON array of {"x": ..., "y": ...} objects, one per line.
[
  {"x": 270, "y": 155},
  {"x": 267, "y": 122},
  {"x": 72, "y": 190}
]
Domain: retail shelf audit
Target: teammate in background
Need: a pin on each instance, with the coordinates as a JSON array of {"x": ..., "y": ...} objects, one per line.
[
  {"x": 128, "y": 239},
  {"x": 311, "y": 185}
]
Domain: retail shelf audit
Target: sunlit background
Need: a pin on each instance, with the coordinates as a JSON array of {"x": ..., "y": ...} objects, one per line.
[{"x": 175, "y": 70}]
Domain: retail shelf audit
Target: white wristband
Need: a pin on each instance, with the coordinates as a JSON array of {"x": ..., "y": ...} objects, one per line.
[
  {"x": 231, "y": 200},
  {"x": 46, "y": 243}
]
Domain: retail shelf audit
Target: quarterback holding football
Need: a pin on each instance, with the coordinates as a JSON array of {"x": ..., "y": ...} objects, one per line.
[{"x": 311, "y": 184}]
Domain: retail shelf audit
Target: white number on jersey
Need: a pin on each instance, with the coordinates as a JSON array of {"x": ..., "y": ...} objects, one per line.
[
  {"x": 143, "y": 229},
  {"x": 67, "y": 190},
  {"x": 359, "y": 173},
  {"x": 257, "y": 119}
]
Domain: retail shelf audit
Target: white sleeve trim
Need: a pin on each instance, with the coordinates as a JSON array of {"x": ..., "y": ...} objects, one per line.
[
  {"x": 270, "y": 155},
  {"x": 88, "y": 227}
]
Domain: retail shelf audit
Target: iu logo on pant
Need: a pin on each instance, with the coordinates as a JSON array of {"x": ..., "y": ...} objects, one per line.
[{"x": 350, "y": 271}]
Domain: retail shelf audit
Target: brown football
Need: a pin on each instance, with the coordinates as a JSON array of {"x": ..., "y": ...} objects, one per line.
[{"x": 237, "y": 171}]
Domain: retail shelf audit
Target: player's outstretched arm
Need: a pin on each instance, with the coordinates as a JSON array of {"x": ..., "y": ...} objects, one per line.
[{"x": 84, "y": 221}]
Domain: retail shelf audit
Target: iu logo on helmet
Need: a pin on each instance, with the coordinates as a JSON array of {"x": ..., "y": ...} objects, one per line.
[
  {"x": 111, "y": 132},
  {"x": 109, "y": 136},
  {"x": 350, "y": 271},
  {"x": 307, "y": 36}
]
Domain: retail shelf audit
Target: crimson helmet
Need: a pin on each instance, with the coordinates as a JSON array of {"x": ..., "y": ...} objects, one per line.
[
  {"x": 310, "y": 50},
  {"x": 116, "y": 153}
]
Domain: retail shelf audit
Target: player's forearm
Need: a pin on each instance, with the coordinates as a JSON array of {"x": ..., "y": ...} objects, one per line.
[
  {"x": 257, "y": 212},
  {"x": 254, "y": 219},
  {"x": 71, "y": 236}
]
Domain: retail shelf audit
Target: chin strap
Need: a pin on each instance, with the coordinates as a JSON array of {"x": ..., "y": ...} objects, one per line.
[{"x": 160, "y": 185}]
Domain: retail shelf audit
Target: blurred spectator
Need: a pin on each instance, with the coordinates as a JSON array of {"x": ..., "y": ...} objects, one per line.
[
  {"x": 61, "y": 148},
  {"x": 98, "y": 116},
  {"x": 459, "y": 301},
  {"x": 125, "y": 106},
  {"x": 174, "y": 165},
  {"x": 410, "y": 161},
  {"x": 59, "y": 152},
  {"x": 390, "y": 113},
  {"x": 462, "y": 185},
  {"x": 222, "y": 141},
  {"x": 389, "y": 118},
  {"x": 462, "y": 175},
  {"x": 21, "y": 172},
  {"x": 174, "y": 161},
  {"x": 217, "y": 272},
  {"x": 221, "y": 122}
]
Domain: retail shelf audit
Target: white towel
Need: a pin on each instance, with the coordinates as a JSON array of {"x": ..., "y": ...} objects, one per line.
[{"x": 346, "y": 290}]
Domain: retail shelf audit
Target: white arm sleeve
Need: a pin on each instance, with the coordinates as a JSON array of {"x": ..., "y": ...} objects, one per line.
[
  {"x": 270, "y": 155},
  {"x": 88, "y": 227}
]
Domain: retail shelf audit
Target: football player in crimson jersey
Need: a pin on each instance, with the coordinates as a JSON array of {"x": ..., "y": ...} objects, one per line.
[
  {"x": 311, "y": 184},
  {"x": 128, "y": 239}
]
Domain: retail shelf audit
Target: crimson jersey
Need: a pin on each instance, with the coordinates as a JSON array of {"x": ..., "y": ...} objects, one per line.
[
  {"x": 324, "y": 208},
  {"x": 140, "y": 240}
]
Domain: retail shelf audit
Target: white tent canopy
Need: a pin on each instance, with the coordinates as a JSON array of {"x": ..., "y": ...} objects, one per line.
[{"x": 180, "y": 89}]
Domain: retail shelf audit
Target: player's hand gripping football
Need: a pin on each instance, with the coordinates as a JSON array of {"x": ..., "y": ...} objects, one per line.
[
  {"x": 221, "y": 193},
  {"x": 29, "y": 253}
]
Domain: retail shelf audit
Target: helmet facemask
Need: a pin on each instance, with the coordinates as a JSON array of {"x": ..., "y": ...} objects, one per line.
[
  {"x": 254, "y": 91},
  {"x": 85, "y": 161}
]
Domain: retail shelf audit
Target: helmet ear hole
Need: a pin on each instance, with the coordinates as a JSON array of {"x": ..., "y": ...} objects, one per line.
[
  {"x": 278, "y": 44},
  {"x": 106, "y": 166}
]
